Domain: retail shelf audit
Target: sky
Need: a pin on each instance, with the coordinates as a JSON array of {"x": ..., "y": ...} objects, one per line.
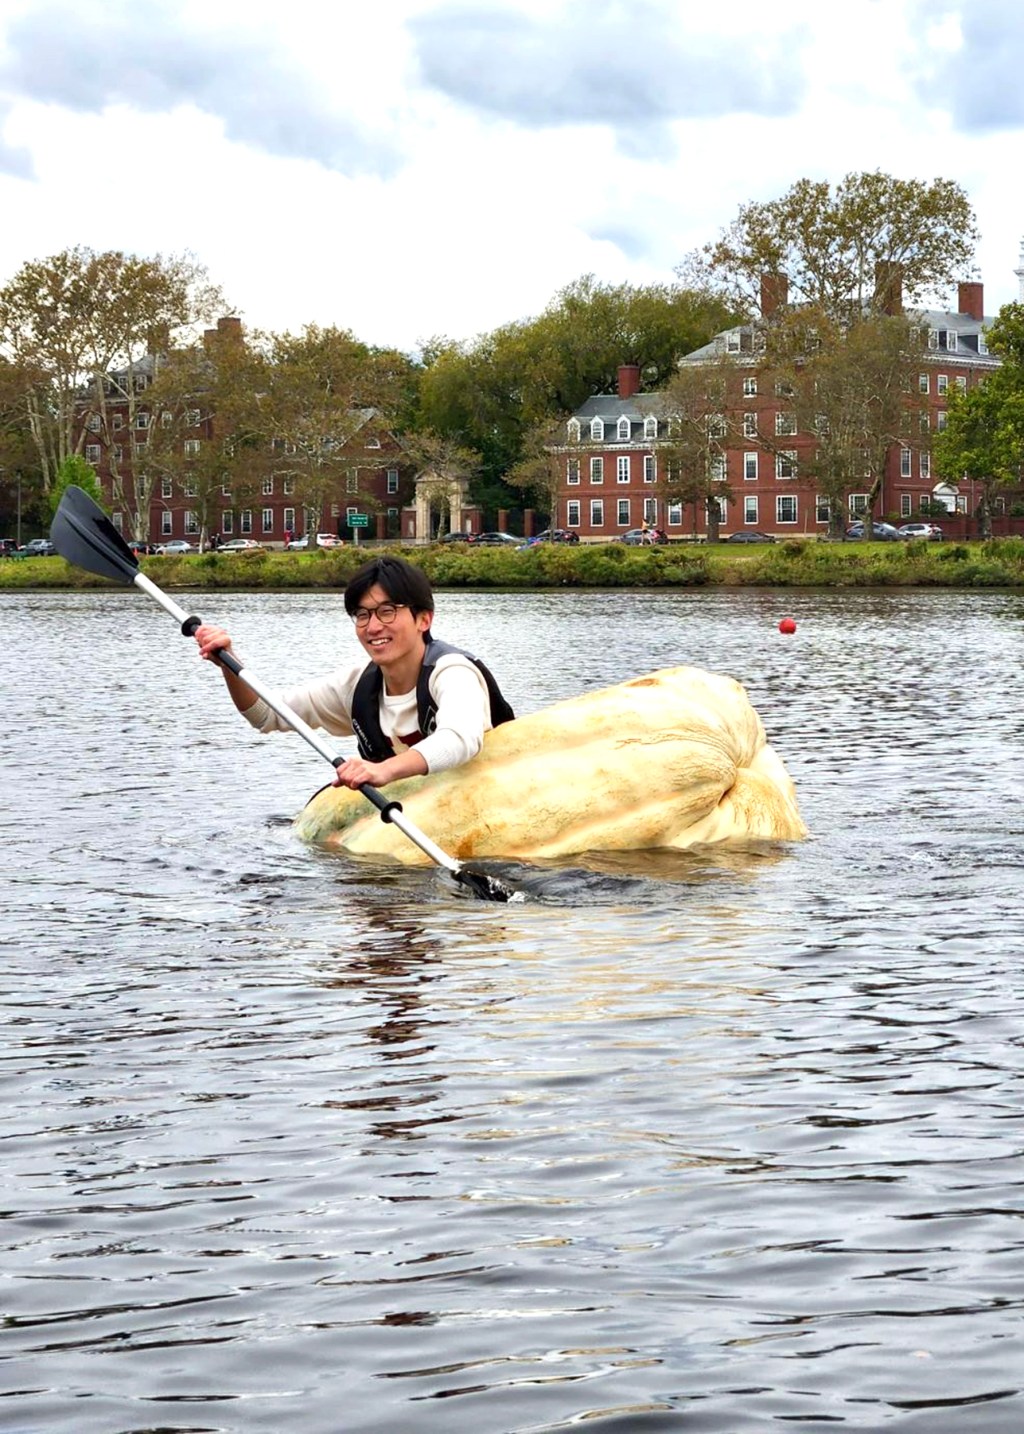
[{"x": 410, "y": 169}]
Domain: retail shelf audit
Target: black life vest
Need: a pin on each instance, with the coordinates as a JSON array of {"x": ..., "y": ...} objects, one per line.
[{"x": 374, "y": 746}]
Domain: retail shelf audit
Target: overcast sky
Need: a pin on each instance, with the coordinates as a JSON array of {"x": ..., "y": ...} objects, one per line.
[{"x": 423, "y": 167}]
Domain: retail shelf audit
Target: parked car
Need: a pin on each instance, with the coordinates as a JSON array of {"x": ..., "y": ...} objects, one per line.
[
  {"x": 553, "y": 535},
  {"x": 881, "y": 532},
  {"x": 497, "y": 540},
  {"x": 7, "y": 546},
  {"x": 328, "y": 540},
  {"x": 637, "y": 537},
  {"x": 143, "y": 550},
  {"x": 457, "y": 537},
  {"x": 931, "y": 531},
  {"x": 38, "y": 548},
  {"x": 749, "y": 535},
  {"x": 175, "y": 546},
  {"x": 241, "y": 545}
]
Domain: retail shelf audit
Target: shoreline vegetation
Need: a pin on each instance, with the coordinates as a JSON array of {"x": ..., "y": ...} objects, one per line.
[{"x": 794, "y": 563}]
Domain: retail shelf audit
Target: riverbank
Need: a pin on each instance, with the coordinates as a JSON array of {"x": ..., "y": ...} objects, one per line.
[{"x": 796, "y": 562}]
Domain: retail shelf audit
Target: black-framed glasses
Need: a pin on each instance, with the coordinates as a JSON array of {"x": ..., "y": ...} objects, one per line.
[{"x": 385, "y": 612}]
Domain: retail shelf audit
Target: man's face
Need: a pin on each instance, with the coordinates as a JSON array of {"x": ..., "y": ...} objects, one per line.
[{"x": 390, "y": 639}]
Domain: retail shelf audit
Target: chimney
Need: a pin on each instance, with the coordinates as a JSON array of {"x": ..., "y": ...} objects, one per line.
[
  {"x": 971, "y": 300},
  {"x": 774, "y": 293},
  {"x": 889, "y": 287},
  {"x": 629, "y": 379},
  {"x": 230, "y": 327}
]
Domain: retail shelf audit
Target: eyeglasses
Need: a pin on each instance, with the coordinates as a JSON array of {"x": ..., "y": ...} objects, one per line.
[{"x": 385, "y": 612}]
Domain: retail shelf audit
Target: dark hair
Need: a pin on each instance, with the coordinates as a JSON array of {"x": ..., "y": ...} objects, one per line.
[{"x": 400, "y": 580}]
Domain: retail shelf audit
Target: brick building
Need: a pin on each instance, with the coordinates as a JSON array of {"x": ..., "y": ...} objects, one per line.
[{"x": 615, "y": 450}]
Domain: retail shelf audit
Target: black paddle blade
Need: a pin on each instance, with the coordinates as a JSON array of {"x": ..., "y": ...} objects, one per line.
[
  {"x": 82, "y": 533},
  {"x": 487, "y": 887}
]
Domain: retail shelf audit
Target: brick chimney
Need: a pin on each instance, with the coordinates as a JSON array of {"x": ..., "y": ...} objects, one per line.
[
  {"x": 629, "y": 379},
  {"x": 230, "y": 327},
  {"x": 774, "y": 293},
  {"x": 889, "y": 287},
  {"x": 971, "y": 300}
]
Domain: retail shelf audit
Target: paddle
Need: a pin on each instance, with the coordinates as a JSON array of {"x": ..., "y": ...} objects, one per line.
[{"x": 84, "y": 535}]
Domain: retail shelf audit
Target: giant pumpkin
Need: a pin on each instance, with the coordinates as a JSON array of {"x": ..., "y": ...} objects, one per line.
[{"x": 677, "y": 758}]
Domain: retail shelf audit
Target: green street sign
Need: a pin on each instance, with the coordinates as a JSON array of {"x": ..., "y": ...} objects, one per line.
[{"x": 358, "y": 520}]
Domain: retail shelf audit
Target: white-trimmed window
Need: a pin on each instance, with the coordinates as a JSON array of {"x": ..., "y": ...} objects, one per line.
[
  {"x": 732, "y": 342},
  {"x": 982, "y": 344},
  {"x": 191, "y": 522},
  {"x": 597, "y": 512},
  {"x": 118, "y": 453},
  {"x": 190, "y": 488},
  {"x": 785, "y": 424},
  {"x": 785, "y": 463},
  {"x": 597, "y": 470},
  {"x": 822, "y": 509},
  {"x": 165, "y": 523},
  {"x": 933, "y": 338},
  {"x": 597, "y": 428},
  {"x": 373, "y": 442},
  {"x": 750, "y": 425},
  {"x": 227, "y": 522},
  {"x": 268, "y": 486},
  {"x": 166, "y": 488},
  {"x": 572, "y": 472},
  {"x": 117, "y": 420},
  {"x": 750, "y": 467},
  {"x": 92, "y": 423},
  {"x": 952, "y": 341},
  {"x": 925, "y": 462},
  {"x": 572, "y": 513},
  {"x": 940, "y": 420},
  {"x": 193, "y": 417},
  {"x": 572, "y": 429},
  {"x": 192, "y": 447},
  {"x": 650, "y": 510},
  {"x": 650, "y": 468},
  {"x": 622, "y": 468},
  {"x": 268, "y": 520},
  {"x": 622, "y": 512},
  {"x": 906, "y": 458},
  {"x": 623, "y": 429},
  {"x": 750, "y": 510},
  {"x": 142, "y": 420},
  {"x": 166, "y": 418},
  {"x": 118, "y": 521},
  {"x": 906, "y": 505},
  {"x": 675, "y": 515},
  {"x": 245, "y": 524},
  {"x": 961, "y": 383},
  {"x": 288, "y": 518},
  {"x": 858, "y": 504},
  {"x": 288, "y": 487},
  {"x": 225, "y": 490},
  {"x": 922, "y": 383},
  {"x": 785, "y": 508},
  {"x": 650, "y": 427},
  {"x": 92, "y": 453},
  {"x": 783, "y": 388},
  {"x": 392, "y": 477},
  {"x": 716, "y": 468},
  {"x": 750, "y": 386},
  {"x": 723, "y": 509},
  {"x": 942, "y": 384}
]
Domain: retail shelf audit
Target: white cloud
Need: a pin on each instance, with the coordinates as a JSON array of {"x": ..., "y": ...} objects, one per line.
[{"x": 400, "y": 172}]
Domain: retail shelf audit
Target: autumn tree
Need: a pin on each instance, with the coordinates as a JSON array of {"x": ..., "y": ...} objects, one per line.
[
  {"x": 79, "y": 327},
  {"x": 442, "y": 464},
  {"x": 698, "y": 430},
  {"x": 984, "y": 436},
  {"x": 850, "y": 389},
  {"x": 843, "y": 250}
]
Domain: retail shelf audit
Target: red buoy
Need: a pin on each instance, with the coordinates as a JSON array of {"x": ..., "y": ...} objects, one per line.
[{"x": 787, "y": 625}]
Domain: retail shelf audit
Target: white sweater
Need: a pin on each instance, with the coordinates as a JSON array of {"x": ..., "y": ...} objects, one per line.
[{"x": 456, "y": 685}]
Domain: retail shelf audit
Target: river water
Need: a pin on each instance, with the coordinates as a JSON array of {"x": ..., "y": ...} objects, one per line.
[{"x": 717, "y": 1142}]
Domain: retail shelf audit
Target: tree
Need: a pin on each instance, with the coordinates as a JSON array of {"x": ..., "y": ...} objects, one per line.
[
  {"x": 75, "y": 470},
  {"x": 853, "y": 387},
  {"x": 696, "y": 408},
  {"x": 541, "y": 470},
  {"x": 443, "y": 465},
  {"x": 983, "y": 440},
  {"x": 79, "y": 326},
  {"x": 844, "y": 251}
]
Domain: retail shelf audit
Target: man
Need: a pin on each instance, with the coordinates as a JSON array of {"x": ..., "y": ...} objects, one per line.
[{"x": 417, "y": 706}]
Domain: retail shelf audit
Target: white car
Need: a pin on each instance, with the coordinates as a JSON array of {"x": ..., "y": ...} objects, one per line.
[
  {"x": 931, "y": 531},
  {"x": 176, "y": 545},
  {"x": 240, "y": 545},
  {"x": 328, "y": 540}
]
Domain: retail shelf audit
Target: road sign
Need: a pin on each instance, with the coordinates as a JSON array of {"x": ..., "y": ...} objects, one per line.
[{"x": 358, "y": 520}]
